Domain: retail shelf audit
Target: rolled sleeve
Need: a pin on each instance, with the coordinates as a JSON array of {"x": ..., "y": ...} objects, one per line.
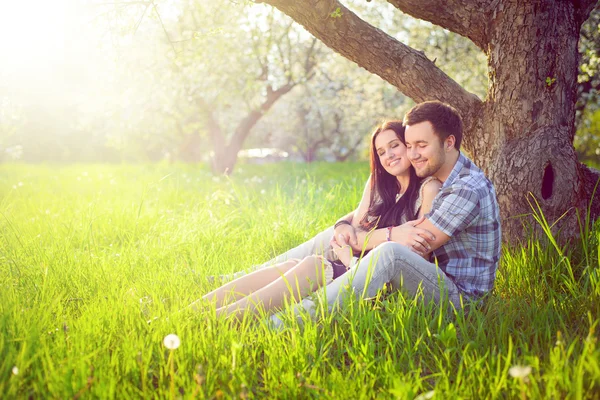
[{"x": 454, "y": 209}]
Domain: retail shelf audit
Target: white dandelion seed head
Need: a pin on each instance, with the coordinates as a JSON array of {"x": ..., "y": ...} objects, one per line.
[
  {"x": 519, "y": 371},
  {"x": 426, "y": 395},
  {"x": 171, "y": 341},
  {"x": 15, "y": 370}
]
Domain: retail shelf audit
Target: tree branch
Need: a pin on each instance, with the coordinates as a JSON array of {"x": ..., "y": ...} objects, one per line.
[
  {"x": 468, "y": 18},
  {"x": 407, "y": 69},
  {"x": 584, "y": 8},
  {"x": 243, "y": 129}
]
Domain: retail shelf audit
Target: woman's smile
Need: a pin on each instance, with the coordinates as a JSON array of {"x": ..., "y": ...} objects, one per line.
[{"x": 395, "y": 162}]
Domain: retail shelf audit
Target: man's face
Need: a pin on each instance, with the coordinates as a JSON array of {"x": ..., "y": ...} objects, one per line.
[{"x": 425, "y": 150}]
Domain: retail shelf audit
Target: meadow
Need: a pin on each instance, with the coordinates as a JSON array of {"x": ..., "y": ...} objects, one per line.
[{"x": 89, "y": 254}]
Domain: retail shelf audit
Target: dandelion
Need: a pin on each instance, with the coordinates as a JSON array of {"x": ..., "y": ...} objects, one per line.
[
  {"x": 519, "y": 371},
  {"x": 15, "y": 370},
  {"x": 171, "y": 341},
  {"x": 426, "y": 395}
]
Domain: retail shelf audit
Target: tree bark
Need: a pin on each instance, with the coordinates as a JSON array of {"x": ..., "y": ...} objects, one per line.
[{"x": 521, "y": 135}]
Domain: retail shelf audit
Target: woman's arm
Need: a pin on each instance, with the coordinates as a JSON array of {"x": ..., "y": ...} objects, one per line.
[
  {"x": 428, "y": 192},
  {"x": 348, "y": 231},
  {"x": 363, "y": 206}
]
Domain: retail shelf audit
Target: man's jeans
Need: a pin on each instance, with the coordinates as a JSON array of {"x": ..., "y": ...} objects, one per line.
[{"x": 391, "y": 263}]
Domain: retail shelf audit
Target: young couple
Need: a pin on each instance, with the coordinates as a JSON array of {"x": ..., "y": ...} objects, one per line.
[{"x": 428, "y": 218}]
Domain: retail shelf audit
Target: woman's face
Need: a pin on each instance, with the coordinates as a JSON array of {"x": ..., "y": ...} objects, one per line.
[{"x": 392, "y": 153}]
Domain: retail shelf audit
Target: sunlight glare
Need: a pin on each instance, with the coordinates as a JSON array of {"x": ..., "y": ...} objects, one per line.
[{"x": 33, "y": 34}]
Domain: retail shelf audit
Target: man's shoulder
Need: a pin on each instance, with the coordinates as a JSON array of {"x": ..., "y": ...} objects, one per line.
[{"x": 470, "y": 178}]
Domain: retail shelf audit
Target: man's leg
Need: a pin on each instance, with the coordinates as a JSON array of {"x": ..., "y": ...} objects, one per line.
[{"x": 388, "y": 263}]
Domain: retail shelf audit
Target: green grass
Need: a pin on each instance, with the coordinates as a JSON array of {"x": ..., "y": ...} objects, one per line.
[{"x": 89, "y": 254}]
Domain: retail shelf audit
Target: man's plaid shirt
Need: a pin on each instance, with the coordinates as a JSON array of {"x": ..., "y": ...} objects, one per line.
[{"x": 466, "y": 209}]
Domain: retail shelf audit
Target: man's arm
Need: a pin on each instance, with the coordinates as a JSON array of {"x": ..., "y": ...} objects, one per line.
[
  {"x": 439, "y": 238},
  {"x": 407, "y": 234},
  {"x": 454, "y": 211}
]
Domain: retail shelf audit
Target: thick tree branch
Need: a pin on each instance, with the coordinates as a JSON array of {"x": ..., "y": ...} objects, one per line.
[
  {"x": 583, "y": 9},
  {"x": 246, "y": 124},
  {"x": 407, "y": 69},
  {"x": 468, "y": 18}
]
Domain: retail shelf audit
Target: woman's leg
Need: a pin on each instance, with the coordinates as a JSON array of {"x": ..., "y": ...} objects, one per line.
[
  {"x": 302, "y": 279},
  {"x": 243, "y": 286},
  {"x": 316, "y": 245}
]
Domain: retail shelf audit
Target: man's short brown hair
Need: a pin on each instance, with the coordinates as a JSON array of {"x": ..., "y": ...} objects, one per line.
[{"x": 445, "y": 119}]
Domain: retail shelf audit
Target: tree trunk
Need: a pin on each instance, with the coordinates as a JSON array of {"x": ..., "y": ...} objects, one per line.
[
  {"x": 521, "y": 135},
  {"x": 524, "y": 141}
]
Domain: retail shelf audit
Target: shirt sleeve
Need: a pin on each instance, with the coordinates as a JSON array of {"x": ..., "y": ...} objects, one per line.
[{"x": 454, "y": 209}]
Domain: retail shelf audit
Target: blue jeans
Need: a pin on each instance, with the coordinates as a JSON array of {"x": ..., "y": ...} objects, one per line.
[{"x": 388, "y": 263}]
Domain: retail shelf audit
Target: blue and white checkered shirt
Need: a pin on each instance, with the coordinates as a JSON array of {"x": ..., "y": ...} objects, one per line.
[{"x": 466, "y": 209}]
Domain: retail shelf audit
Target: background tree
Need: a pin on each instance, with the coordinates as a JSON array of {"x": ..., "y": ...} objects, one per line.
[
  {"x": 522, "y": 133},
  {"x": 331, "y": 116},
  {"x": 236, "y": 75}
]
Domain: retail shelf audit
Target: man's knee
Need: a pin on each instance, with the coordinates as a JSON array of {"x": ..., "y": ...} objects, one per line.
[{"x": 391, "y": 249}]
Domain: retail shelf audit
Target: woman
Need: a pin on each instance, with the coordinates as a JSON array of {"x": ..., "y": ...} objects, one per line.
[{"x": 393, "y": 195}]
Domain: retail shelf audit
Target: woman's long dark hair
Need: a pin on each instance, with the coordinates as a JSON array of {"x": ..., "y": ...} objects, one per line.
[{"x": 384, "y": 210}]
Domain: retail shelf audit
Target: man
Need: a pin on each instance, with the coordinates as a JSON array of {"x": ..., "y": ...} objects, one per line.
[{"x": 464, "y": 221}]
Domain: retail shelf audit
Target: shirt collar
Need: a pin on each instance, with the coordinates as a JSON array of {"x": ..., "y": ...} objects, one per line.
[{"x": 460, "y": 163}]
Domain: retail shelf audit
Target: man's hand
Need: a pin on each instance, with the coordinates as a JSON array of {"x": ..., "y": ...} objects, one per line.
[
  {"x": 417, "y": 239},
  {"x": 345, "y": 234}
]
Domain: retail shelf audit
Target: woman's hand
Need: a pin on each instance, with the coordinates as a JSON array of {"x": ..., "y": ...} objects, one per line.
[
  {"x": 362, "y": 241},
  {"x": 343, "y": 252},
  {"x": 345, "y": 234}
]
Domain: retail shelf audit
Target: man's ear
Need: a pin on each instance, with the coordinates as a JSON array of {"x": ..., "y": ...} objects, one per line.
[{"x": 449, "y": 143}]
